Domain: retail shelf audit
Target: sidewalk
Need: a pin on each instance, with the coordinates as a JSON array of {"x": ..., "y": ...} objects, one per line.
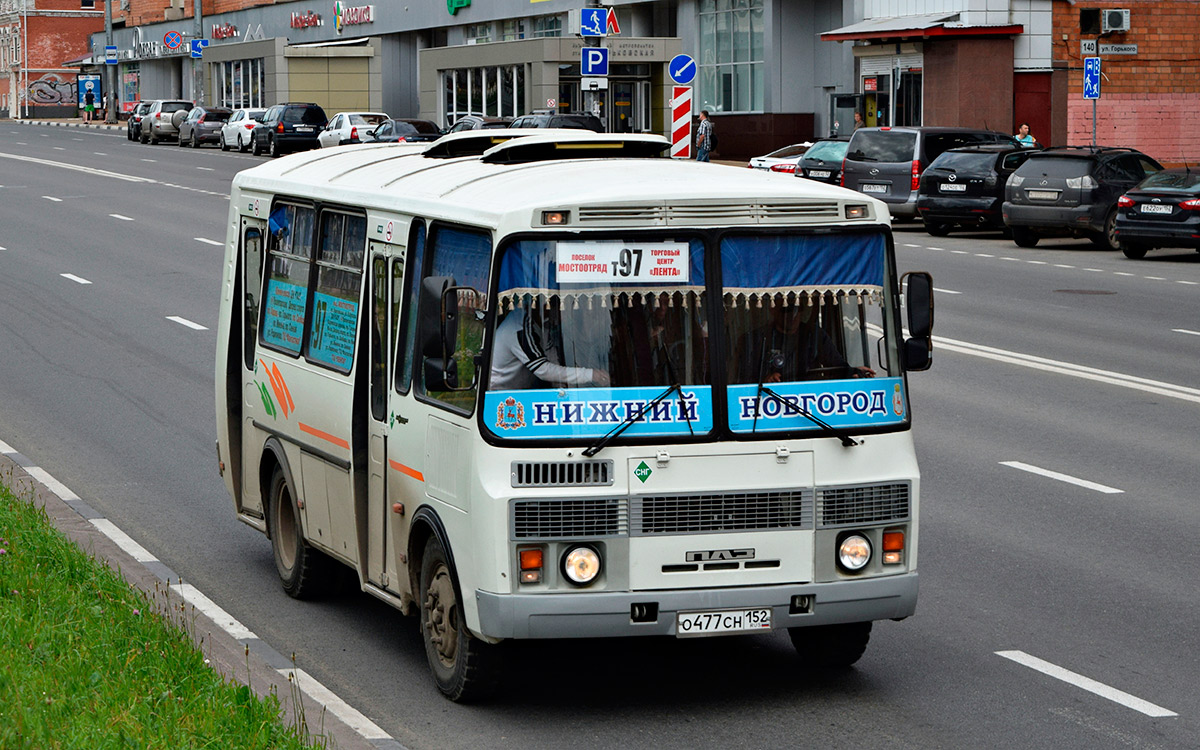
[{"x": 71, "y": 122}]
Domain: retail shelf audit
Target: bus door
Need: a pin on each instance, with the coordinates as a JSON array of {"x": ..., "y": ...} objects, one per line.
[
  {"x": 253, "y": 236},
  {"x": 381, "y": 332}
]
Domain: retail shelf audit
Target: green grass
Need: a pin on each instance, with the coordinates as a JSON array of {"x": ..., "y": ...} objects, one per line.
[{"x": 86, "y": 661}]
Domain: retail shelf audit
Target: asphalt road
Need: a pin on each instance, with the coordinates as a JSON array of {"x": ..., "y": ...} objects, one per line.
[{"x": 1060, "y": 358}]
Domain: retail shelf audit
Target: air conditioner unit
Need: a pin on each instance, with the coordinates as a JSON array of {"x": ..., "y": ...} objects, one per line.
[{"x": 1113, "y": 20}]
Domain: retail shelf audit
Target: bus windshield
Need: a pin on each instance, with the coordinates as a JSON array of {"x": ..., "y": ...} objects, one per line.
[{"x": 590, "y": 334}]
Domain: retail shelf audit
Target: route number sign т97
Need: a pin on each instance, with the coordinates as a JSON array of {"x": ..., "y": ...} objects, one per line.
[{"x": 622, "y": 262}]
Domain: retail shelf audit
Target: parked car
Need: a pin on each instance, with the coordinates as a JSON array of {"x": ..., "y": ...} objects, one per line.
[
  {"x": 203, "y": 125},
  {"x": 823, "y": 160},
  {"x": 406, "y": 130},
  {"x": 1072, "y": 190},
  {"x": 1162, "y": 211},
  {"x": 964, "y": 187},
  {"x": 474, "y": 122},
  {"x": 886, "y": 162},
  {"x": 350, "y": 127},
  {"x": 293, "y": 126},
  {"x": 133, "y": 128},
  {"x": 236, "y": 131},
  {"x": 163, "y": 118},
  {"x": 785, "y": 159},
  {"x": 550, "y": 119}
]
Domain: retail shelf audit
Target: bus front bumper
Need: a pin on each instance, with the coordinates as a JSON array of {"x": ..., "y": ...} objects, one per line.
[{"x": 610, "y": 614}]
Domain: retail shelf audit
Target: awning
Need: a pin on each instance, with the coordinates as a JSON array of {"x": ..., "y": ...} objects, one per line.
[{"x": 917, "y": 26}]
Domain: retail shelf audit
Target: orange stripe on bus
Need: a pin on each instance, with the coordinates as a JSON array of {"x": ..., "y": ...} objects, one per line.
[
  {"x": 324, "y": 436},
  {"x": 406, "y": 470},
  {"x": 282, "y": 382}
]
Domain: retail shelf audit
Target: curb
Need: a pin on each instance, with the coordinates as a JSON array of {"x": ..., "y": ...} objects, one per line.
[
  {"x": 239, "y": 656},
  {"x": 71, "y": 124}
]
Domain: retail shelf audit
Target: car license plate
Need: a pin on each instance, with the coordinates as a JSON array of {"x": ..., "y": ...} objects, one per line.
[
  {"x": 1155, "y": 208},
  {"x": 303, "y": 129},
  {"x": 869, "y": 188},
  {"x": 720, "y": 622},
  {"x": 952, "y": 187},
  {"x": 1043, "y": 195},
  {"x": 819, "y": 173}
]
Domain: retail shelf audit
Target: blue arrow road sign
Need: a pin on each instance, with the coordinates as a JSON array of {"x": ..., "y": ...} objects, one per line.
[
  {"x": 593, "y": 22},
  {"x": 594, "y": 61},
  {"x": 682, "y": 69},
  {"x": 1091, "y": 78},
  {"x": 198, "y": 46}
]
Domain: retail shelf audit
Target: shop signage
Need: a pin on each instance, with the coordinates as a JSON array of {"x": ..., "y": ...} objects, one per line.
[
  {"x": 1118, "y": 49},
  {"x": 224, "y": 31},
  {"x": 352, "y": 16},
  {"x": 870, "y": 84},
  {"x": 306, "y": 19},
  {"x": 454, "y": 5}
]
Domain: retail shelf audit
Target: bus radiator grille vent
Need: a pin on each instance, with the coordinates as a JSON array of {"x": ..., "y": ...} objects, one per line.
[
  {"x": 800, "y": 211},
  {"x": 597, "y": 473},
  {"x": 866, "y": 504},
  {"x": 568, "y": 519},
  {"x": 744, "y": 213},
  {"x": 707, "y": 514},
  {"x": 620, "y": 214}
]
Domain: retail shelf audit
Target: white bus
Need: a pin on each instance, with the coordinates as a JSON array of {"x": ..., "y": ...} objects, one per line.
[{"x": 558, "y": 386}]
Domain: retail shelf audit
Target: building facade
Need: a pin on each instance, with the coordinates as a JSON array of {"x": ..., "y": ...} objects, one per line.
[{"x": 36, "y": 38}]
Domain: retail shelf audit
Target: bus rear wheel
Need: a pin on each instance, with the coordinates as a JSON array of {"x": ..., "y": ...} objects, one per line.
[
  {"x": 303, "y": 570},
  {"x": 464, "y": 668},
  {"x": 831, "y": 646}
]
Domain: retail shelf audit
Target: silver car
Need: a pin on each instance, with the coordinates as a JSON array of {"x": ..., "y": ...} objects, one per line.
[
  {"x": 163, "y": 119},
  {"x": 350, "y": 127},
  {"x": 237, "y": 130}
]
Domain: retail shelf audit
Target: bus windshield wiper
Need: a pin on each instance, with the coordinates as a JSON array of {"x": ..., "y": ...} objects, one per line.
[
  {"x": 631, "y": 419},
  {"x": 827, "y": 428}
]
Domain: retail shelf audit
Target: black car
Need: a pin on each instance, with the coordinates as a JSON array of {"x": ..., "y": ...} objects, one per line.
[
  {"x": 293, "y": 126},
  {"x": 203, "y": 125},
  {"x": 1072, "y": 190},
  {"x": 1162, "y": 211},
  {"x": 133, "y": 128},
  {"x": 474, "y": 122},
  {"x": 823, "y": 160},
  {"x": 887, "y": 162},
  {"x": 571, "y": 120},
  {"x": 404, "y": 130},
  {"x": 964, "y": 187}
]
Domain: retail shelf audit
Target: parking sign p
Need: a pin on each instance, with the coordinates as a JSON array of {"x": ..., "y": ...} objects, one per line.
[{"x": 594, "y": 61}]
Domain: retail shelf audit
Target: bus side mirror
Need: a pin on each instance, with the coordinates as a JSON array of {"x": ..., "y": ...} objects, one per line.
[
  {"x": 918, "y": 350},
  {"x": 437, "y": 328}
]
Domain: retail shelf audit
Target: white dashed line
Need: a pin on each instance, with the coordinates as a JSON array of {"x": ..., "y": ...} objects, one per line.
[
  {"x": 76, "y": 279},
  {"x": 122, "y": 218},
  {"x": 1013, "y": 259},
  {"x": 984, "y": 255},
  {"x": 338, "y": 707},
  {"x": 1063, "y": 265},
  {"x": 1086, "y": 683},
  {"x": 1175, "y": 330},
  {"x": 945, "y": 291},
  {"x": 207, "y": 241},
  {"x": 206, "y": 169},
  {"x": 1123, "y": 273},
  {"x": 52, "y": 198},
  {"x": 939, "y": 249},
  {"x": 97, "y": 153},
  {"x": 1038, "y": 262},
  {"x": 186, "y": 322},
  {"x": 59, "y": 148},
  {"x": 152, "y": 161},
  {"x": 960, "y": 252},
  {"x": 1095, "y": 270},
  {"x": 1189, "y": 283},
  {"x": 909, "y": 244},
  {"x": 123, "y": 540},
  {"x": 1062, "y": 477},
  {"x": 1154, "y": 278}
]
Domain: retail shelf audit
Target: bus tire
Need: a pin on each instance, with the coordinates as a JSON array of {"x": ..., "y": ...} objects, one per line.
[
  {"x": 831, "y": 646},
  {"x": 304, "y": 571},
  {"x": 464, "y": 668}
]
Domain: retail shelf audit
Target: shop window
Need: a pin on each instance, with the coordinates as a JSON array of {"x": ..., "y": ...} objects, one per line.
[
  {"x": 477, "y": 33},
  {"x": 491, "y": 91},
  {"x": 731, "y": 56},
  {"x": 547, "y": 26}
]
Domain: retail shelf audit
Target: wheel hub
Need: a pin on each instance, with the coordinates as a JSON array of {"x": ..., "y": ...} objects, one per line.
[{"x": 441, "y": 615}]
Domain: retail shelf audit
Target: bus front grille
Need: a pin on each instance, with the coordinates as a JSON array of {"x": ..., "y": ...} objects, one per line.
[
  {"x": 864, "y": 504},
  {"x": 706, "y": 514},
  {"x": 598, "y": 473},
  {"x": 567, "y": 519}
]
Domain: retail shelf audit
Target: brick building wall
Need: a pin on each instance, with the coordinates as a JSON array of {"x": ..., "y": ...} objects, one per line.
[
  {"x": 142, "y": 12},
  {"x": 1148, "y": 101},
  {"x": 59, "y": 30}
]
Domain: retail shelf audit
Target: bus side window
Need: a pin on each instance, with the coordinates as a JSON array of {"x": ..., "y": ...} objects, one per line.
[
  {"x": 251, "y": 289},
  {"x": 289, "y": 255},
  {"x": 379, "y": 331},
  {"x": 334, "y": 321},
  {"x": 463, "y": 255},
  {"x": 405, "y": 342}
]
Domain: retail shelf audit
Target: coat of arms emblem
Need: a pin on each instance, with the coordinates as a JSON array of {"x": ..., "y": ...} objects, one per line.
[{"x": 510, "y": 414}]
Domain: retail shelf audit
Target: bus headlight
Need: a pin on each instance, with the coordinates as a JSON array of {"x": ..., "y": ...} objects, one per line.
[
  {"x": 582, "y": 565},
  {"x": 854, "y": 552}
]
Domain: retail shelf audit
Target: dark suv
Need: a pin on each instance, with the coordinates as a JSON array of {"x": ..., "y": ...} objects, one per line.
[
  {"x": 574, "y": 120},
  {"x": 1072, "y": 190},
  {"x": 964, "y": 187},
  {"x": 886, "y": 163},
  {"x": 293, "y": 126},
  {"x": 134, "y": 126}
]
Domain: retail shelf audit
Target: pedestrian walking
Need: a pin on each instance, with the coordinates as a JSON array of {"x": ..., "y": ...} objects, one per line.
[
  {"x": 705, "y": 137},
  {"x": 1024, "y": 138}
]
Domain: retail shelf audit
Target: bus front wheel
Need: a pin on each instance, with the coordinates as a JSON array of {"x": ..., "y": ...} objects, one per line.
[
  {"x": 303, "y": 570},
  {"x": 464, "y": 667},
  {"x": 829, "y": 646}
]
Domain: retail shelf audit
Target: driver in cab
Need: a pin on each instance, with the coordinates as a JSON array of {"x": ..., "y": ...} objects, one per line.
[
  {"x": 526, "y": 355},
  {"x": 793, "y": 346}
]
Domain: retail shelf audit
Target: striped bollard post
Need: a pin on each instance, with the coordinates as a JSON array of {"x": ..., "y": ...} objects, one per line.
[{"x": 681, "y": 123}]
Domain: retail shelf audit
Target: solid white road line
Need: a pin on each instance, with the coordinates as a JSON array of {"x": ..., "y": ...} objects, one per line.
[
  {"x": 223, "y": 619},
  {"x": 209, "y": 242},
  {"x": 122, "y": 218},
  {"x": 1088, "y": 684},
  {"x": 55, "y": 486},
  {"x": 1062, "y": 477},
  {"x": 1176, "y": 330},
  {"x": 123, "y": 540},
  {"x": 186, "y": 322},
  {"x": 76, "y": 279},
  {"x": 52, "y": 198},
  {"x": 338, "y": 707},
  {"x": 75, "y": 168}
]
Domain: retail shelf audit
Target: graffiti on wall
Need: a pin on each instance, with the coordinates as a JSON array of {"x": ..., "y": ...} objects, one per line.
[{"x": 53, "y": 88}]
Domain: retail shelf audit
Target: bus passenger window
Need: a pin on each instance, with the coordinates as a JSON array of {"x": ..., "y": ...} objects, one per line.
[
  {"x": 335, "y": 301},
  {"x": 405, "y": 343},
  {"x": 251, "y": 289},
  {"x": 463, "y": 255},
  {"x": 290, "y": 256},
  {"x": 379, "y": 340}
]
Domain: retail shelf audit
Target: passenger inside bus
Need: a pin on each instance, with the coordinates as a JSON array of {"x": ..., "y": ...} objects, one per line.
[{"x": 791, "y": 346}]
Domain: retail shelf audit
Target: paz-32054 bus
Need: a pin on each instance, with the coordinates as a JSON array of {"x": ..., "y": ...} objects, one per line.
[{"x": 554, "y": 385}]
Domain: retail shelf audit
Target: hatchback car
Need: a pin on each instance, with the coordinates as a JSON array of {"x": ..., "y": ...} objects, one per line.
[
  {"x": 823, "y": 161},
  {"x": 236, "y": 131},
  {"x": 133, "y": 128},
  {"x": 474, "y": 122},
  {"x": 785, "y": 159},
  {"x": 886, "y": 162},
  {"x": 293, "y": 126},
  {"x": 350, "y": 127},
  {"x": 406, "y": 131},
  {"x": 203, "y": 125},
  {"x": 964, "y": 187},
  {"x": 163, "y": 119},
  {"x": 570, "y": 120},
  {"x": 1072, "y": 190},
  {"x": 1162, "y": 211}
]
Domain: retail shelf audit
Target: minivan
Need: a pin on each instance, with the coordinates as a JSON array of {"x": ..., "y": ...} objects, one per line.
[{"x": 887, "y": 162}]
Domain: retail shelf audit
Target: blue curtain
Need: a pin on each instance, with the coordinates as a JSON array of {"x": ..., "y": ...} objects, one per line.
[{"x": 811, "y": 261}]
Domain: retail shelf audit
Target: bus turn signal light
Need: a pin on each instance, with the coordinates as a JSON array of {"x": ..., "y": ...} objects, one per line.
[
  {"x": 531, "y": 565},
  {"x": 893, "y": 547}
]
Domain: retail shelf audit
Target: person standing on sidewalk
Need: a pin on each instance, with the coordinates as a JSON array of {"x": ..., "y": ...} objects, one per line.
[
  {"x": 704, "y": 137},
  {"x": 89, "y": 105}
]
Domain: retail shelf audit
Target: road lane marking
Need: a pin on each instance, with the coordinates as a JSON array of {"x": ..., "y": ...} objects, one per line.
[
  {"x": 1062, "y": 477},
  {"x": 1189, "y": 283},
  {"x": 211, "y": 610},
  {"x": 152, "y": 161},
  {"x": 1123, "y": 273},
  {"x": 960, "y": 252},
  {"x": 75, "y": 168},
  {"x": 335, "y": 705},
  {"x": 1088, "y": 684},
  {"x": 939, "y": 249},
  {"x": 1176, "y": 330},
  {"x": 984, "y": 255},
  {"x": 1154, "y": 278},
  {"x": 207, "y": 241},
  {"x": 52, "y": 198},
  {"x": 1095, "y": 270},
  {"x": 206, "y": 169},
  {"x": 945, "y": 291},
  {"x": 1038, "y": 262},
  {"x": 909, "y": 244},
  {"x": 97, "y": 153},
  {"x": 76, "y": 279},
  {"x": 123, "y": 540},
  {"x": 122, "y": 218},
  {"x": 1013, "y": 259},
  {"x": 1063, "y": 265},
  {"x": 186, "y": 322},
  {"x": 59, "y": 148}
]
